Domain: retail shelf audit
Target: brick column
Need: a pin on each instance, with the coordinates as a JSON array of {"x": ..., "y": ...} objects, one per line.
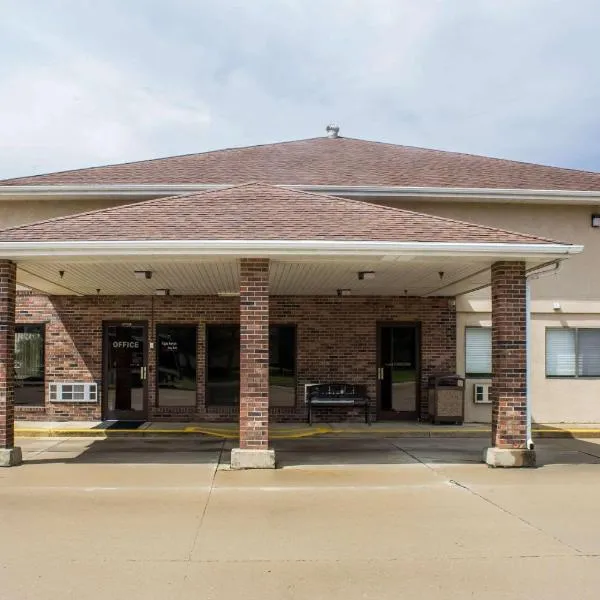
[
  {"x": 254, "y": 367},
  {"x": 509, "y": 367},
  {"x": 9, "y": 455}
]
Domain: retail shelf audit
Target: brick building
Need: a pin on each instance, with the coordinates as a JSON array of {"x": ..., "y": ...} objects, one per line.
[{"x": 188, "y": 294}]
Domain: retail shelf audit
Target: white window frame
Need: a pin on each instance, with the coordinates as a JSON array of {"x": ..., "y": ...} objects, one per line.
[
  {"x": 471, "y": 374},
  {"x": 577, "y": 357}
]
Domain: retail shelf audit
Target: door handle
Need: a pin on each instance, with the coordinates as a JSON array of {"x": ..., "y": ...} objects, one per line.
[
  {"x": 380, "y": 373},
  {"x": 142, "y": 373}
]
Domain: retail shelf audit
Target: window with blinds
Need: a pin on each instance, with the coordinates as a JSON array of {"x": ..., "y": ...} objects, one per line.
[
  {"x": 588, "y": 352},
  {"x": 572, "y": 352},
  {"x": 478, "y": 352}
]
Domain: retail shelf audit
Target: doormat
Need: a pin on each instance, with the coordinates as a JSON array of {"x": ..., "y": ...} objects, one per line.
[{"x": 125, "y": 425}]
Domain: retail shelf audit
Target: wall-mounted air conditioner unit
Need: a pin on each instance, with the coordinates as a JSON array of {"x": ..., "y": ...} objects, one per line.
[
  {"x": 73, "y": 392},
  {"x": 481, "y": 393}
]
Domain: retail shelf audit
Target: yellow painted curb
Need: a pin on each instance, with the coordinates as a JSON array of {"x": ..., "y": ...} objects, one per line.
[
  {"x": 295, "y": 434},
  {"x": 290, "y": 434},
  {"x": 565, "y": 430}
]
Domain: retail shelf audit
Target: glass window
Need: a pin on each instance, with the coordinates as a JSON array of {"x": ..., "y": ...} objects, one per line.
[
  {"x": 29, "y": 365},
  {"x": 588, "y": 352},
  {"x": 176, "y": 365},
  {"x": 282, "y": 365},
  {"x": 560, "y": 352},
  {"x": 223, "y": 365},
  {"x": 478, "y": 351},
  {"x": 572, "y": 352}
]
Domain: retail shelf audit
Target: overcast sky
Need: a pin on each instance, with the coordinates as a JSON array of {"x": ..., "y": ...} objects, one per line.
[{"x": 93, "y": 82}]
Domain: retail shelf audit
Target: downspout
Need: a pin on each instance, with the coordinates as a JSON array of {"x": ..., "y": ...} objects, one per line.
[
  {"x": 530, "y": 444},
  {"x": 528, "y": 365}
]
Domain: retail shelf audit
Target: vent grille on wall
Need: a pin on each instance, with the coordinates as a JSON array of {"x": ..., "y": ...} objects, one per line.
[
  {"x": 73, "y": 392},
  {"x": 481, "y": 393}
]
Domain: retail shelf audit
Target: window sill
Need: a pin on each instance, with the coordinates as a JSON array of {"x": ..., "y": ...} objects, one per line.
[{"x": 73, "y": 401}]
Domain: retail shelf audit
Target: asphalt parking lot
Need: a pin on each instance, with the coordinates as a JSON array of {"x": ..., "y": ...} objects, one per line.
[{"x": 354, "y": 517}]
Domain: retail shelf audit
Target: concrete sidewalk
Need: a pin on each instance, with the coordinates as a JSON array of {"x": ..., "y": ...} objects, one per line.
[
  {"x": 377, "y": 518},
  {"x": 291, "y": 431}
]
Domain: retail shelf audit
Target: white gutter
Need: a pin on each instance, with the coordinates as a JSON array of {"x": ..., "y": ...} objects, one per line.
[
  {"x": 268, "y": 248},
  {"x": 148, "y": 191},
  {"x": 465, "y": 194},
  {"x": 102, "y": 191}
]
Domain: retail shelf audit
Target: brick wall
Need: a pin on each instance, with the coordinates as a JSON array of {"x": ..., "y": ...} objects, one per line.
[
  {"x": 254, "y": 353},
  {"x": 336, "y": 340},
  {"x": 7, "y": 351},
  {"x": 509, "y": 382}
]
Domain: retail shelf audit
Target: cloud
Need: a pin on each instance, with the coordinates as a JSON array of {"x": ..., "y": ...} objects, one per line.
[
  {"x": 91, "y": 83},
  {"x": 81, "y": 109}
]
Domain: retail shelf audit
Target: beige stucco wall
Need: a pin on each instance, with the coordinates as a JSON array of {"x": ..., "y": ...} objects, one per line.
[
  {"x": 561, "y": 400},
  {"x": 568, "y": 400},
  {"x": 19, "y": 212},
  {"x": 576, "y": 288}
]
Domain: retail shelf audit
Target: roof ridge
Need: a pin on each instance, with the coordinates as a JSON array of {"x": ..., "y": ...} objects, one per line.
[
  {"x": 152, "y": 201},
  {"x": 422, "y": 214}
]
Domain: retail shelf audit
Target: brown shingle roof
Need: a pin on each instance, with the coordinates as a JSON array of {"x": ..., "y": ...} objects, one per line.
[
  {"x": 324, "y": 161},
  {"x": 257, "y": 211}
]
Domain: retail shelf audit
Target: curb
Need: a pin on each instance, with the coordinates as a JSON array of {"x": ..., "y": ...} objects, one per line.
[{"x": 32, "y": 432}]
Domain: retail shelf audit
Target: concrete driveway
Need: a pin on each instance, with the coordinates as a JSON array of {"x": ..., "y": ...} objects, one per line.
[{"x": 345, "y": 518}]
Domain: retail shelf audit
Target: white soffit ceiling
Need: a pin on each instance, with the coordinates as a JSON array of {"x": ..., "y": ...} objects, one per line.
[{"x": 300, "y": 277}]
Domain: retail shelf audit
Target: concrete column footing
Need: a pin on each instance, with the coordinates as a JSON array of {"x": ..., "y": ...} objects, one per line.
[
  {"x": 10, "y": 457},
  {"x": 252, "y": 458},
  {"x": 509, "y": 457}
]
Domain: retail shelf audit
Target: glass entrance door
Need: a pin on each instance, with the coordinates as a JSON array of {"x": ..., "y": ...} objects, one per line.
[
  {"x": 125, "y": 371},
  {"x": 398, "y": 372}
]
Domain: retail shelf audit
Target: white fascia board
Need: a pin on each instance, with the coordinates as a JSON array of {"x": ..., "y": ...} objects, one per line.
[
  {"x": 278, "y": 248},
  {"x": 148, "y": 191}
]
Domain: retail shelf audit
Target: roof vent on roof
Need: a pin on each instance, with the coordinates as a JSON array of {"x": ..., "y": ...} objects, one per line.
[{"x": 332, "y": 131}]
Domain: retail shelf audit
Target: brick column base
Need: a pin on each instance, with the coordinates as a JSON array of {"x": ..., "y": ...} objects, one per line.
[
  {"x": 509, "y": 368},
  {"x": 9, "y": 455},
  {"x": 254, "y": 449}
]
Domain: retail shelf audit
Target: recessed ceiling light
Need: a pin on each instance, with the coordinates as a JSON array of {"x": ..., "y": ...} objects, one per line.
[
  {"x": 344, "y": 292},
  {"x": 363, "y": 275},
  {"x": 143, "y": 274},
  {"x": 228, "y": 294}
]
